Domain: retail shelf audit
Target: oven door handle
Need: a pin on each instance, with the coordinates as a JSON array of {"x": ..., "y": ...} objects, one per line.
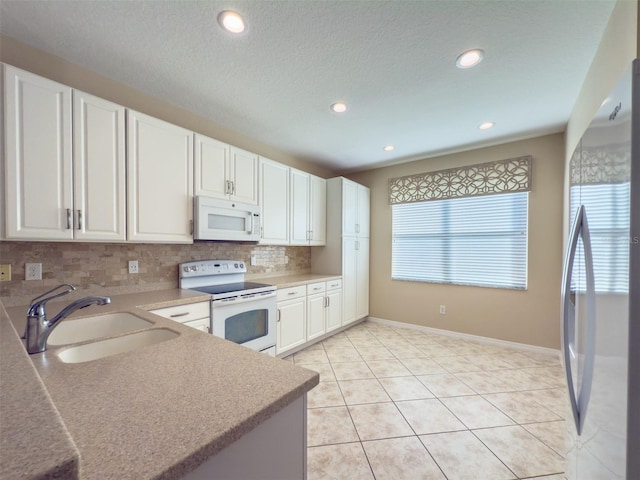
[{"x": 254, "y": 297}]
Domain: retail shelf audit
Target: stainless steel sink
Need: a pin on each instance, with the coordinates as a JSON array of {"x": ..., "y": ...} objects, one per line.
[
  {"x": 99, "y": 326},
  {"x": 113, "y": 346}
]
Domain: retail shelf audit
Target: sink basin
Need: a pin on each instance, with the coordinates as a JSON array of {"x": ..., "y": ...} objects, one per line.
[
  {"x": 83, "y": 329},
  {"x": 113, "y": 346}
]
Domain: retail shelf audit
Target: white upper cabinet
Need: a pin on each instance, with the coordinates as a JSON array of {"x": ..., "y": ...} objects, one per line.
[
  {"x": 226, "y": 172},
  {"x": 160, "y": 181},
  {"x": 244, "y": 176},
  {"x": 99, "y": 169},
  {"x": 362, "y": 216},
  {"x": 274, "y": 200},
  {"x": 299, "y": 183},
  {"x": 317, "y": 210},
  {"x": 38, "y": 175},
  {"x": 211, "y": 167},
  {"x": 62, "y": 186},
  {"x": 308, "y": 208},
  {"x": 355, "y": 215}
]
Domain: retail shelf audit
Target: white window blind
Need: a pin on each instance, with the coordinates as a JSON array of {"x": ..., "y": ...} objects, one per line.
[
  {"x": 468, "y": 241},
  {"x": 607, "y": 207}
]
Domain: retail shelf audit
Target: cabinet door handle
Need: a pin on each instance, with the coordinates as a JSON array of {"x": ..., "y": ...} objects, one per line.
[
  {"x": 227, "y": 187},
  {"x": 292, "y": 293},
  {"x": 176, "y": 315},
  {"x": 278, "y": 315},
  {"x": 79, "y": 219},
  {"x": 357, "y": 228},
  {"x": 233, "y": 187},
  {"x": 69, "y": 219},
  {"x": 317, "y": 288}
]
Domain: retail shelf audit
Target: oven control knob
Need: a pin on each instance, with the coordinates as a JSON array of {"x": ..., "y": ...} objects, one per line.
[
  {"x": 186, "y": 269},
  {"x": 242, "y": 265},
  {"x": 235, "y": 265}
]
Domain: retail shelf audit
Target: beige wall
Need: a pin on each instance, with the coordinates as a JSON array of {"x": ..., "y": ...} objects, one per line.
[
  {"x": 530, "y": 316},
  {"x": 55, "y": 68}
]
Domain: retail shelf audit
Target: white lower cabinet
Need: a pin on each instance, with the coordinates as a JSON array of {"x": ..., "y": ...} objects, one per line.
[
  {"x": 334, "y": 305},
  {"x": 195, "y": 315},
  {"x": 316, "y": 306},
  {"x": 308, "y": 312},
  {"x": 291, "y": 318}
]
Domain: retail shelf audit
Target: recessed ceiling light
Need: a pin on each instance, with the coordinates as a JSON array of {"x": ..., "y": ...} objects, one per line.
[
  {"x": 470, "y": 58},
  {"x": 231, "y": 21},
  {"x": 389, "y": 148},
  {"x": 486, "y": 125},
  {"x": 339, "y": 107}
]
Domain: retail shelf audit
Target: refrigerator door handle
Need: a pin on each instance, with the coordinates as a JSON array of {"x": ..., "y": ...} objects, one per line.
[
  {"x": 578, "y": 400},
  {"x": 568, "y": 312},
  {"x": 590, "y": 337}
]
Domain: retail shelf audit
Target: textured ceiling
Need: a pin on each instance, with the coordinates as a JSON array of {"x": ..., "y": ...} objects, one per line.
[{"x": 393, "y": 62}]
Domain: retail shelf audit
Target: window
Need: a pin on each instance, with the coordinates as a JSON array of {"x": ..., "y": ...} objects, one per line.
[
  {"x": 607, "y": 207},
  {"x": 466, "y": 241}
]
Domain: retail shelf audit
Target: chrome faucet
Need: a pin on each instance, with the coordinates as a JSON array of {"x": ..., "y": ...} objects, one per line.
[{"x": 38, "y": 328}]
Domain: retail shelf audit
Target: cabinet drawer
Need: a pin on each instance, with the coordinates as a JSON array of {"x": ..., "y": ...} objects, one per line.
[
  {"x": 201, "y": 324},
  {"x": 314, "y": 288},
  {"x": 292, "y": 292},
  {"x": 334, "y": 284},
  {"x": 185, "y": 313}
]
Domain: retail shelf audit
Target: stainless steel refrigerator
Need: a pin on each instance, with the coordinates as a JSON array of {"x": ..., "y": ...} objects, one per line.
[{"x": 601, "y": 292}]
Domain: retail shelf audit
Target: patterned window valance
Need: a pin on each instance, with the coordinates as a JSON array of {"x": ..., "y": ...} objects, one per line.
[
  {"x": 601, "y": 165},
  {"x": 503, "y": 176}
]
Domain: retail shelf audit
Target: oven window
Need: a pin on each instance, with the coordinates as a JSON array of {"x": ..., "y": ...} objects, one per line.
[{"x": 247, "y": 326}]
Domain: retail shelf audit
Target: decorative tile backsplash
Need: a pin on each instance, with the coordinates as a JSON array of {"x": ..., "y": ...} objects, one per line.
[{"x": 102, "y": 268}]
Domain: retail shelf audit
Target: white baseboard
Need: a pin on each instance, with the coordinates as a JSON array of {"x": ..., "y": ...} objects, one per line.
[{"x": 467, "y": 336}]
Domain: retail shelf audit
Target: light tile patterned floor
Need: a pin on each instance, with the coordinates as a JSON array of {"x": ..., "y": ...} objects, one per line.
[{"x": 397, "y": 404}]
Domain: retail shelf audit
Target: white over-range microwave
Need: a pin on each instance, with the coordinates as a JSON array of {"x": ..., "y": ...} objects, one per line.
[{"x": 217, "y": 219}]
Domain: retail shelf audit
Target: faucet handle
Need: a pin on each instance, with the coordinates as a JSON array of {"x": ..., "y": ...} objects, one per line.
[{"x": 40, "y": 300}]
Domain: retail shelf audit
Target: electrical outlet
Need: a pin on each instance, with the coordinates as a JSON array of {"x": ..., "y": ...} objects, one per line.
[
  {"x": 133, "y": 266},
  {"x": 33, "y": 271},
  {"x": 254, "y": 261},
  {"x": 443, "y": 309},
  {"x": 5, "y": 273}
]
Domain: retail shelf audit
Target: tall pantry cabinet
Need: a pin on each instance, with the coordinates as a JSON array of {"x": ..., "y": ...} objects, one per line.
[{"x": 347, "y": 249}]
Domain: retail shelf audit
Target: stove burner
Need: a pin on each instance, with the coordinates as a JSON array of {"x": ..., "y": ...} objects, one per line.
[{"x": 230, "y": 287}]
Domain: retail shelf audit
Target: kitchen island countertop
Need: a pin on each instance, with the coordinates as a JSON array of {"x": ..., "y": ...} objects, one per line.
[{"x": 155, "y": 412}]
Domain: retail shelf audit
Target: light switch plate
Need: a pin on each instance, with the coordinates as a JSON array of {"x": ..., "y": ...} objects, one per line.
[{"x": 5, "y": 273}]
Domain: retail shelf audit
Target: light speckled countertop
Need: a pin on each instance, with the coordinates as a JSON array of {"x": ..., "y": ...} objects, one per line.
[
  {"x": 286, "y": 281},
  {"x": 156, "y": 412}
]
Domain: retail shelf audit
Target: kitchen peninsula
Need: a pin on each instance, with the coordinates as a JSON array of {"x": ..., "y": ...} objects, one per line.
[{"x": 164, "y": 411}]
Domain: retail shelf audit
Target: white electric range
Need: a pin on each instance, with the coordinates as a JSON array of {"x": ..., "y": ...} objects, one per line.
[{"x": 242, "y": 312}]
